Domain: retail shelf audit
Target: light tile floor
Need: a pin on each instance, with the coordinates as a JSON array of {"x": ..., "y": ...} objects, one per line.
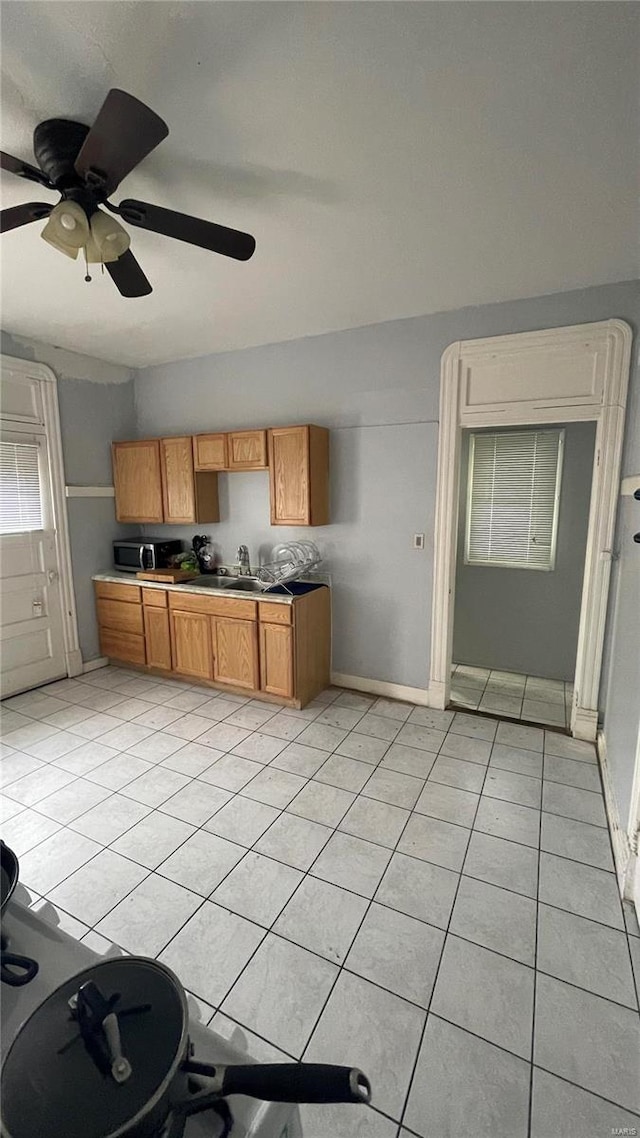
[
  {"x": 427, "y": 895},
  {"x": 512, "y": 695}
]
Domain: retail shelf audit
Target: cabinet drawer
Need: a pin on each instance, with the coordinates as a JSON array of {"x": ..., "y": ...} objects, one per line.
[
  {"x": 157, "y": 598},
  {"x": 109, "y": 591},
  {"x": 213, "y": 606},
  {"x": 274, "y": 613},
  {"x": 120, "y": 617},
  {"x": 122, "y": 646}
]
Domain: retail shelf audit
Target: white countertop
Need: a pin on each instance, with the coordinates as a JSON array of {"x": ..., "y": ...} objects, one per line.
[{"x": 193, "y": 587}]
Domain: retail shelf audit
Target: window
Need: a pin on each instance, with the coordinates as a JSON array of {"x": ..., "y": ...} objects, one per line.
[
  {"x": 512, "y": 498},
  {"x": 20, "y": 497}
]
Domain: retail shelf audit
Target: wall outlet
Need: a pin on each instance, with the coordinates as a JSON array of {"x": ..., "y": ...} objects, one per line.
[{"x": 418, "y": 541}]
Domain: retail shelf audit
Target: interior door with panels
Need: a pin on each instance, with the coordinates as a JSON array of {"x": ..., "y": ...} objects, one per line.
[
  {"x": 137, "y": 481},
  {"x": 31, "y": 630},
  {"x": 235, "y": 649}
]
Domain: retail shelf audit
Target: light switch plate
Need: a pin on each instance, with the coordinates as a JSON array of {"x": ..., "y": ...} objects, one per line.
[{"x": 418, "y": 541}]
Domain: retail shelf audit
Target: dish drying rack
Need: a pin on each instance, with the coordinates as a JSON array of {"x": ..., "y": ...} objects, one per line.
[{"x": 290, "y": 562}]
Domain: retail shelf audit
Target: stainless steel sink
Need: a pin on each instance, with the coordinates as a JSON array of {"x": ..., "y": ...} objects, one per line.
[
  {"x": 213, "y": 581},
  {"x": 243, "y": 584}
]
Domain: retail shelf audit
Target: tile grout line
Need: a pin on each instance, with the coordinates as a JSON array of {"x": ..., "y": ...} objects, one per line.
[
  {"x": 435, "y": 978},
  {"x": 535, "y": 979}
]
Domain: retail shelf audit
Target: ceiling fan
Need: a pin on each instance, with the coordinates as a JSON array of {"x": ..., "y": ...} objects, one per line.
[{"x": 85, "y": 165}]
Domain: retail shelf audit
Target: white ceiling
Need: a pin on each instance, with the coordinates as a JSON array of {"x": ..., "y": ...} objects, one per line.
[{"x": 391, "y": 159}]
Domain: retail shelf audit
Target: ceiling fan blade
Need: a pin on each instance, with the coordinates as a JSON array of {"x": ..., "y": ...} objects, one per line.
[
  {"x": 23, "y": 169},
  {"x": 206, "y": 234},
  {"x": 22, "y": 214},
  {"x": 127, "y": 276},
  {"x": 124, "y": 132}
]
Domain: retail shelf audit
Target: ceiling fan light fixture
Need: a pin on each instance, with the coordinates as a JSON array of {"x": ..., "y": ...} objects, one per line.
[
  {"x": 67, "y": 228},
  {"x": 108, "y": 239}
]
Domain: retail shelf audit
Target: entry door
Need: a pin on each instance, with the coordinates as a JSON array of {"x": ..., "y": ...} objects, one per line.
[{"x": 31, "y": 629}]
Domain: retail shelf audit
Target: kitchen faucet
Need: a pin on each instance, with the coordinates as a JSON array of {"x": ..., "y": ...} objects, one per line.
[{"x": 244, "y": 568}]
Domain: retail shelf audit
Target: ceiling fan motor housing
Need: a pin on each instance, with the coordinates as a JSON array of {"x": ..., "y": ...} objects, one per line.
[{"x": 56, "y": 144}]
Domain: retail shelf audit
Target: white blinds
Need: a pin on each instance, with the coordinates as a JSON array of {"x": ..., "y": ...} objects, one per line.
[
  {"x": 20, "y": 497},
  {"x": 512, "y": 499}
]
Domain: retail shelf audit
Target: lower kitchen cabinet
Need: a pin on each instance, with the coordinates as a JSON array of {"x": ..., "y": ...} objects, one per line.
[
  {"x": 157, "y": 637},
  {"x": 280, "y": 650},
  {"x": 191, "y": 643},
  {"x": 235, "y": 652},
  {"x": 276, "y": 659}
]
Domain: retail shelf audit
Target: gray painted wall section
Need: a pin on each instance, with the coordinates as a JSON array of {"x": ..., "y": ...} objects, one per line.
[
  {"x": 378, "y": 389},
  {"x": 96, "y": 406},
  {"x": 523, "y": 620}
]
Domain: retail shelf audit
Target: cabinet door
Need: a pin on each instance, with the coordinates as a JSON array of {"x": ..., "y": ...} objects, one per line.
[
  {"x": 235, "y": 652},
  {"x": 137, "y": 481},
  {"x": 210, "y": 452},
  {"x": 191, "y": 644},
  {"x": 178, "y": 489},
  {"x": 289, "y": 475},
  {"x": 156, "y": 637},
  {"x": 276, "y": 659},
  {"x": 247, "y": 450}
]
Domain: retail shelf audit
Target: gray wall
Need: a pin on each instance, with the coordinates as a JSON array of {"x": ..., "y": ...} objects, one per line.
[
  {"x": 521, "y": 620},
  {"x": 377, "y": 387},
  {"x": 96, "y": 406}
]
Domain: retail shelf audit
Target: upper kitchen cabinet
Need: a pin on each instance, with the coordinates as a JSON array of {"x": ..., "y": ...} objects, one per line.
[
  {"x": 188, "y": 495},
  {"x": 137, "y": 481},
  {"x": 299, "y": 476},
  {"x": 155, "y": 481},
  {"x": 247, "y": 450},
  {"x": 210, "y": 452}
]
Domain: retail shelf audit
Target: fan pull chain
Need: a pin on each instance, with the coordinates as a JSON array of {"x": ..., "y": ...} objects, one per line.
[{"x": 86, "y": 261}]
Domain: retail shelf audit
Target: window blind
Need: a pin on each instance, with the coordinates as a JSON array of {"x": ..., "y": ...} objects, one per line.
[
  {"x": 512, "y": 499},
  {"x": 20, "y": 497}
]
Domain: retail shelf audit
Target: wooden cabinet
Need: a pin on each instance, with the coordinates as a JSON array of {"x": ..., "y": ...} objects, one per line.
[
  {"x": 191, "y": 644},
  {"x": 281, "y": 650},
  {"x": 157, "y": 635},
  {"x": 247, "y": 450},
  {"x": 235, "y": 652},
  {"x": 137, "y": 481},
  {"x": 155, "y": 481},
  {"x": 120, "y": 624},
  {"x": 187, "y": 495},
  {"x": 210, "y": 452},
  {"x": 276, "y": 659},
  {"x": 299, "y": 476}
]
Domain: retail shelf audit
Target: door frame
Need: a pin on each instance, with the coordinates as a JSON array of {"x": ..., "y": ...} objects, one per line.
[
  {"x": 26, "y": 371},
  {"x": 604, "y": 350}
]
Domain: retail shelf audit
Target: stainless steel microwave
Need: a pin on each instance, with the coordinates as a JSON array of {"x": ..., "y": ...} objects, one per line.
[{"x": 139, "y": 553}]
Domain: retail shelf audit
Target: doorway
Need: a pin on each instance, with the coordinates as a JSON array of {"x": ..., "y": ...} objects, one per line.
[
  {"x": 523, "y": 519},
  {"x": 562, "y": 375},
  {"x": 38, "y": 632}
]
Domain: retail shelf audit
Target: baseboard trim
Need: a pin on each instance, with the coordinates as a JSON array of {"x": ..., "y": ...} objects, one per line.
[
  {"x": 93, "y": 665},
  {"x": 585, "y": 725},
  {"x": 75, "y": 663},
  {"x": 619, "y": 837},
  {"x": 381, "y": 687}
]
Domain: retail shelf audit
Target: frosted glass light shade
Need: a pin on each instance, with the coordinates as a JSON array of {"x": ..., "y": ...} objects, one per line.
[
  {"x": 67, "y": 228},
  {"x": 108, "y": 239}
]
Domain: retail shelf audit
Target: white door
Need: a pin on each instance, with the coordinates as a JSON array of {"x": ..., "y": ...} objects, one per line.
[{"x": 32, "y": 649}]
